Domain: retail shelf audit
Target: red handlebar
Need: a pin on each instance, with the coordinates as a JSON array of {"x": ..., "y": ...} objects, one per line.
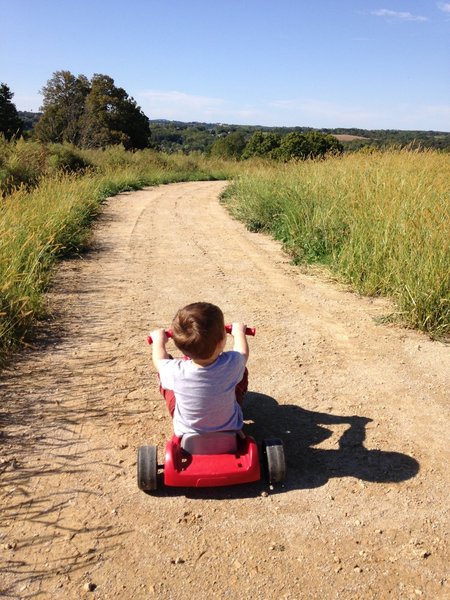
[
  {"x": 248, "y": 330},
  {"x": 169, "y": 333}
]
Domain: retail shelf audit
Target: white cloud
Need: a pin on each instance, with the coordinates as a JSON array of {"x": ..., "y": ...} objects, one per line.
[
  {"x": 444, "y": 6},
  {"x": 318, "y": 113},
  {"x": 308, "y": 112},
  {"x": 27, "y": 103},
  {"x": 179, "y": 106},
  {"x": 159, "y": 104},
  {"x": 401, "y": 16},
  {"x": 440, "y": 111}
]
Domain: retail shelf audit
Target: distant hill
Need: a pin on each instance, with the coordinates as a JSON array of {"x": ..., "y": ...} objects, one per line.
[
  {"x": 29, "y": 118},
  {"x": 195, "y": 136},
  {"x": 175, "y": 136}
]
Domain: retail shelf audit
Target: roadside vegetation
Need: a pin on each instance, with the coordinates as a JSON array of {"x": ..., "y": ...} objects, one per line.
[
  {"x": 48, "y": 213},
  {"x": 378, "y": 219}
]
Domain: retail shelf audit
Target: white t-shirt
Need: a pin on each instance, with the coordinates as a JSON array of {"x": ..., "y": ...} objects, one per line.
[{"x": 205, "y": 396}]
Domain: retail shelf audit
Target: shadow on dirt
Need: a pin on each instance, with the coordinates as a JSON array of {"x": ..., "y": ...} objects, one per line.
[
  {"x": 45, "y": 467},
  {"x": 56, "y": 544},
  {"x": 308, "y": 466}
]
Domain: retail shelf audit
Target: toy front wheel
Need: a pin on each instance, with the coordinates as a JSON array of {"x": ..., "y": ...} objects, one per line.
[
  {"x": 147, "y": 468},
  {"x": 275, "y": 463}
]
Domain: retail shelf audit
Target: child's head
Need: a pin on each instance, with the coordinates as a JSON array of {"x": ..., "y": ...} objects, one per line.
[{"x": 197, "y": 329}]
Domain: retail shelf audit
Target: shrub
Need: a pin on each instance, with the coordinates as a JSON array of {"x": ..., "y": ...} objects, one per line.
[
  {"x": 64, "y": 157},
  {"x": 25, "y": 164}
]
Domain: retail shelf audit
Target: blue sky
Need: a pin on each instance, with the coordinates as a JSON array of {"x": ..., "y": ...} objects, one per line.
[{"x": 372, "y": 64}]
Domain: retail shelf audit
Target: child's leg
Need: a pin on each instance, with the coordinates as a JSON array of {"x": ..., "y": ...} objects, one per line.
[
  {"x": 169, "y": 396},
  {"x": 170, "y": 399},
  {"x": 242, "y": 388}
]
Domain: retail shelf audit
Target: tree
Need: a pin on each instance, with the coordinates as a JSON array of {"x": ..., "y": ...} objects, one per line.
[
  {"x": 63, "y": 107},
  {"x": 262, "y": 144},
  {"x": 90, "y": 114},
  {"x": 112, "y": 117},
  {"x": 294, "y": 145},
  {"x": 10, "y": 123},
  {"x": 312, "y": 144},
  {"x": 134, "y": 124},
  {"x": 229, "y": 146},
  {"x": 322, "y": 144}
]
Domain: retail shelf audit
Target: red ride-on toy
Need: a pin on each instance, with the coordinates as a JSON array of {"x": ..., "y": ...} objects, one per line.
[{"x": 211, "y": 459}]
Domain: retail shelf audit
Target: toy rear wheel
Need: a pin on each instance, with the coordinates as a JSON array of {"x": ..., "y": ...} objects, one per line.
[
  {"x": 147, "y": 468},
  {"x": 275, "y": 463}
]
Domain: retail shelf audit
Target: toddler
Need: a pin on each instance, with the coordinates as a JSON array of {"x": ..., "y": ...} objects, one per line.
[{"x": 204, "y": 391}]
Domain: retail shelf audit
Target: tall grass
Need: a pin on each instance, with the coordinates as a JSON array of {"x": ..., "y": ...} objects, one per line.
[
  {"x": 379, "y": 221},
  {"x": 49, "y": 214}
]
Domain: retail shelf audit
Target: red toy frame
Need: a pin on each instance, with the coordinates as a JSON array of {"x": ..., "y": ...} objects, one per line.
[{"x": 182, "y": 469}]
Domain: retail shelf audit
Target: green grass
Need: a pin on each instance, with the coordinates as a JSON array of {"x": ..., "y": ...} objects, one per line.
[
  {"x": 379, "y": 221},
  {"x": 49, "y": 216}
]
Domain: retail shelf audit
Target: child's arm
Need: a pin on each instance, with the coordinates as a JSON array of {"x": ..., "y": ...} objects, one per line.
[
  {"x": 240, "y": 340},
  {"x": 159, "y": 352}
]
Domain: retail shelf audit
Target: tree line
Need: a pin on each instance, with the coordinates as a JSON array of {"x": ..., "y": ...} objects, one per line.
[
  {"x": 176, "y": 136},
  {"x": 96, "y": 113}
]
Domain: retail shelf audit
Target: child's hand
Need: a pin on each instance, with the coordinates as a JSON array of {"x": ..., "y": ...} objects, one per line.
[
  {"x": 159, "y": 353},
  {"x": 159, "y": 337},
  {"x": 240, "y": 341},
  {"x": 237, "y": 328}
]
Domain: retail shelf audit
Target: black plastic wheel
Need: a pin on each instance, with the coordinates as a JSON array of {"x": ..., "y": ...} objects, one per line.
[
  {"x": 275, "y": 463},
  {"x": 147, "y": 468}
]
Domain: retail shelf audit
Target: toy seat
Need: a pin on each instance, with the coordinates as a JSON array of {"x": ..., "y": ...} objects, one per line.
[
  {"x": 211, "y": 460},
  {"x": 217, "y": 442}
]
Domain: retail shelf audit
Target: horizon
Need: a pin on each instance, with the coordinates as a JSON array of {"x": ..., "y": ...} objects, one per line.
[
  {"x": 322, "y": 66},
  {"x": 256, "y": 126}
]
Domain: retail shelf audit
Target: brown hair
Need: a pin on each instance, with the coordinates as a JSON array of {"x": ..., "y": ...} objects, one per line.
[{"x": 197, "y": 329}]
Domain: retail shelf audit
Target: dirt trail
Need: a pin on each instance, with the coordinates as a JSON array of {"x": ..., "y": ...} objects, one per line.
[{"x": 363, "y": 411}]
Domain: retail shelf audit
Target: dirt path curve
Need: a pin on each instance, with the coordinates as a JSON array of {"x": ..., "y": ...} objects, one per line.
[{"x": 363, "y": 411}]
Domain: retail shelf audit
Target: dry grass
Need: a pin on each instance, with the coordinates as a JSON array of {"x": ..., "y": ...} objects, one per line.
[
  {"x": 50, "y": 217},
  {"x": 380, "y": 221}
]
